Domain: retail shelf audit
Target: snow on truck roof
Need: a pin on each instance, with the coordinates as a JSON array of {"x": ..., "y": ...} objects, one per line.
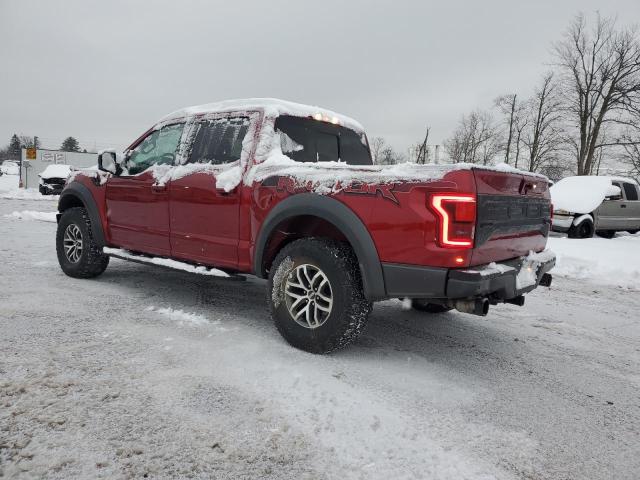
[{"x": 272, "y": 107}]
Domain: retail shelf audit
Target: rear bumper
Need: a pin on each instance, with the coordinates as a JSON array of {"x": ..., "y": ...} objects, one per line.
[{"x": 497, "y": 281}]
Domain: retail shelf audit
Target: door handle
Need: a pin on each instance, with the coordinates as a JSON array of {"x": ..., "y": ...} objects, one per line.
[
  {"x": 158, "y": 188},
  {"x": 623, "y": 206}
]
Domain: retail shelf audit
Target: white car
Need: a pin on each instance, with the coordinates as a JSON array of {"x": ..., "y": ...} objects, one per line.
[
  {"x": 586, "y": 205},
  {"x": 9, "y": 167},
  {"x": 54, "y": 178}
]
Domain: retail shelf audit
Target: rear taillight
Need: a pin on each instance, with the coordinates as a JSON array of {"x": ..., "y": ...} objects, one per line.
[{"x": 456, "y": 219}]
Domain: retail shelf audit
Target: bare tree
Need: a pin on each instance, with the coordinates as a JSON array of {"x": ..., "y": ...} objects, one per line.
[
  {"x": 601, "y": 79},
  {"x": 630, "y": 143},
  {"x": 422, "y": 152},
  {"x": 377, "y": 145},
  {"x": 389, "y": 156},
  {"x": 475, "y": 140},
  {"x": 543, "y": 137},
  {"x": 509, "y": 106}
]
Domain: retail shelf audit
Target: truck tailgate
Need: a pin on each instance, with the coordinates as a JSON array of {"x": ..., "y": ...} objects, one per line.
[{"x": 513, "y": 215}]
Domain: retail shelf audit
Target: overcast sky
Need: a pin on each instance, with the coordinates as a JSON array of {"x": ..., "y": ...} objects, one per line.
[{"x": 104, "y": 71}]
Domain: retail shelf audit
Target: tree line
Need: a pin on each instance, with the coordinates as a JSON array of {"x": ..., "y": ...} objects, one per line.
[
  {"x": 17, "y": 142},
  {"x": 583, "y": 114}
]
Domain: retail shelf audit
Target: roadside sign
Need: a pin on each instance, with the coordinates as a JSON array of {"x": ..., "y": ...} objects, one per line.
[{"x": 31, "y": 154}]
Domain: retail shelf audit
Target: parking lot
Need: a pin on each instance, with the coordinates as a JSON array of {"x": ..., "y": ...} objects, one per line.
[{"x": 146, "y": 371}]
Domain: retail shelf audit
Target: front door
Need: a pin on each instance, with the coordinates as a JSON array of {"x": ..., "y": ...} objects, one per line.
[
  {"x": 204, "y": 197},
  {"x": 138, "y": 200}
]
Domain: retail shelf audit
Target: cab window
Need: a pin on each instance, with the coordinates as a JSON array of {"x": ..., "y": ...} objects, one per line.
[
  {"x": 218, "y": 141},
  {"x": 158, "y": 148},
  {"x": 309, "y": 140}
]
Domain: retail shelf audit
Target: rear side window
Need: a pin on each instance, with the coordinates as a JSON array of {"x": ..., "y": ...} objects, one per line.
[
  {"x": 630, "y": 191},
  {"x": 308, "y": 140},
  {"x": 218, "y": 141}
]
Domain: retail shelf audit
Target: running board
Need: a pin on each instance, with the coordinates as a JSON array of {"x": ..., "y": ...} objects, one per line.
[{"x": 170, "y": 263}]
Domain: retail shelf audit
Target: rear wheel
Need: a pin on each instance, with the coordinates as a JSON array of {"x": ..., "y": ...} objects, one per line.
[
  {"x": 423, "y": 305},
  {"x": 78, "y": 254},
  {"x": 583, "y": 230},
  {"x": 315, "y": 295}
]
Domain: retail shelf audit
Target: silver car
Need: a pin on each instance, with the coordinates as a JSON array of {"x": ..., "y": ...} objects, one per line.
[{"x": 602, "y": 205}]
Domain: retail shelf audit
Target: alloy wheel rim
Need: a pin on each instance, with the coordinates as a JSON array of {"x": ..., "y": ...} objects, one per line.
[
  {"x": 73, "y": 243},
  {"x": 308, "y": 296}
]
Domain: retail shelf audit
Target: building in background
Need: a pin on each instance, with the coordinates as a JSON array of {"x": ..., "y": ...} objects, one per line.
[{"x": 34, "y": 161}]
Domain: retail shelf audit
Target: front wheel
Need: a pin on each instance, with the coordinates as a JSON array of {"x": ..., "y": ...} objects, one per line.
[
  {"x": 315, "y": 295},
  {"x": 78, "y": 254},
  {"x": 584, "y": 229}
]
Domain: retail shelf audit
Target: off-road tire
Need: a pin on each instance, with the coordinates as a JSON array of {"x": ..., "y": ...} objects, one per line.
[
  {"x": 423, "y": 305},
  {"x": 584, "y": 229},
  {"x": 92, "y": 261},
  {"x": 350, "y": 309}
]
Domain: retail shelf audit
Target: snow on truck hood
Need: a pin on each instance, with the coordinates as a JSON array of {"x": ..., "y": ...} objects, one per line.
[
  {"x": 581, "y": 194},
  {"x": 56, "y": 171}
]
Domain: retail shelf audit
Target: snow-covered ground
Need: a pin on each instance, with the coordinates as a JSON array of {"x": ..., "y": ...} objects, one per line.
[
  {"x": 168, "y": 374},
  {"x": 613, "y": 261}
]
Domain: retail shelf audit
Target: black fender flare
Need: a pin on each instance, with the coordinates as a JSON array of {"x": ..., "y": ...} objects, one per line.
[
  {"x": 82, "y": 193},
  {"x": 343, "y": 219}
]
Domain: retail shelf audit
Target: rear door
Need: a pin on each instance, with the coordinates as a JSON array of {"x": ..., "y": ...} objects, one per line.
[
  {"x": 138, "y": 201},
  {"x": 513, "y": 215},
  {"x": 204, "y": 217}
]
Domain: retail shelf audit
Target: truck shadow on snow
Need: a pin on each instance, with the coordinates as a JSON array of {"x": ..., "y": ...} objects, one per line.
[{"x": 390, "y": 329}]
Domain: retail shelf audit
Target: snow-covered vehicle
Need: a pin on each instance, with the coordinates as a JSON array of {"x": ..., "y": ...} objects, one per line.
[
  {"x": 586, "y": 205},
  {"x": 53, "y": 179},
  {"x": 9, "y": 167},
  {"x": 289, "y": 192}
]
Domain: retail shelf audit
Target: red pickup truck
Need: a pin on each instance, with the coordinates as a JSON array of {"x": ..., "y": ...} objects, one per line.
[{"x": 289, "y": 192}]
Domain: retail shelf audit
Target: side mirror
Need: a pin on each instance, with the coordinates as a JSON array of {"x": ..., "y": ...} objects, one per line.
[
  {"x": 612, "y": 197},
  {"x": 107, "y": 162}
]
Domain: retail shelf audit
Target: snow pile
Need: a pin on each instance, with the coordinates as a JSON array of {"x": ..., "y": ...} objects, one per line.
[
  {"x": 10, "y": 168},
  {"x": 9, "y": 190},
  {"x": 182, "y": 317},
  {"x": 33, "y": 215},
  {"x": 56, "y": 171},
  {"x": 166, "y": 262},
  {"x": 598, "y": 260},
  {"x": 581, "y": 194},
  {"x": 9, "y": 182}
]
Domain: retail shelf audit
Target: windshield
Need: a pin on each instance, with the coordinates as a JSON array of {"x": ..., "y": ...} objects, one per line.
[{"x": 308, "y": 140}]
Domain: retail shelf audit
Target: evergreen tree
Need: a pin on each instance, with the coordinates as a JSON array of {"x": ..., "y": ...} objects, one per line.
[
  {"x": 14, "y": 146},
  {"x": 70, "y": 144}
]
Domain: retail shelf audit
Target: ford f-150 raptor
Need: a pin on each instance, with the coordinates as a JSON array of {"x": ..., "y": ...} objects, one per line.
[{"x": 290, "y": 193}]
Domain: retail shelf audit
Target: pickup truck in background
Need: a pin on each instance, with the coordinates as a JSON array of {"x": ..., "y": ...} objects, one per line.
[
  {"x": 604, "y": 205},
  {"x": 289, "y": 193}
]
